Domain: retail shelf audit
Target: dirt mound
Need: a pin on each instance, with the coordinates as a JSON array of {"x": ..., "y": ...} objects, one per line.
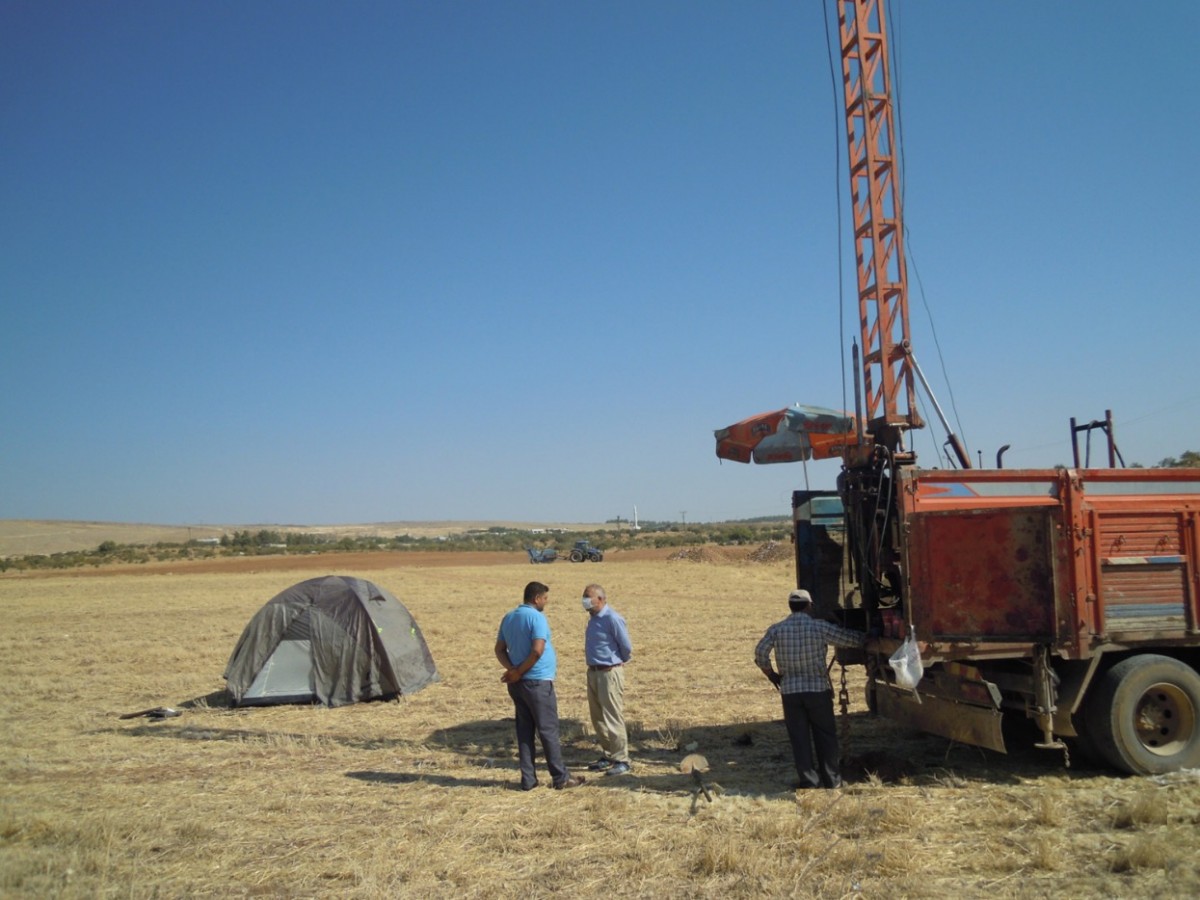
[
  {"x": 693, "y": 555},
  {"x": 770, "y": 552}
]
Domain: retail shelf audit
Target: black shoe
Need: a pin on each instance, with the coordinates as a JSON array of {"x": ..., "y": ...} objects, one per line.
[
  {"x": 529, "y": 787},
  {"x": 621, "y": 768},
  {"x": 600, "y": 765},
  {"x": 576, "y": 781}
]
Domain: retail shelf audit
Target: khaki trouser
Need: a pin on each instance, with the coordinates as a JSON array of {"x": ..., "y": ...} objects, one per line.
[{"x": 606, "y": 703}]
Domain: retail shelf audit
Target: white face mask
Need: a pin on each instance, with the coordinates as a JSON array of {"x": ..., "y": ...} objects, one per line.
[{"x": 587, "y": 603}]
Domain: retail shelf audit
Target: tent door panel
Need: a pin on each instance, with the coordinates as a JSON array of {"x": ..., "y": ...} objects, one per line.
[{"x": 286, "y": 677}]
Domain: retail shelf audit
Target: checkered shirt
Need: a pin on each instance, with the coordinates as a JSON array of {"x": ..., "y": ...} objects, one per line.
[{"x": 800, "y": 643}]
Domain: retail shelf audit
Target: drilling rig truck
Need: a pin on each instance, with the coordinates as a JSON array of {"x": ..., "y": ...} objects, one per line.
[{"x": 1067, "y": 597}]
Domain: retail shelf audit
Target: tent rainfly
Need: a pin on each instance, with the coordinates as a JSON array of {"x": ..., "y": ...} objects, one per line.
[{"x": 333, "y": 640}]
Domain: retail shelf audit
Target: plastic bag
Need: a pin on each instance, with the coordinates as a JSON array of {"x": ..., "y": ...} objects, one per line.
[{"x": 906, "y": 663}]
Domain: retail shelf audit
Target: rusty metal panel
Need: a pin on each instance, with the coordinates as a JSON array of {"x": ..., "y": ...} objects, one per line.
[
  {"x": 1139, "y": 534},
  {"x": 982, "y": 574},
  {"x": 1143, "y": 572},
  {"x": 963, "y": 722},
  {"x": 926, "y": 490}
]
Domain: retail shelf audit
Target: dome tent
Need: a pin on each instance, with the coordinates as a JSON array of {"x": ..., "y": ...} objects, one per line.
[{"x": 334, "y": 640}]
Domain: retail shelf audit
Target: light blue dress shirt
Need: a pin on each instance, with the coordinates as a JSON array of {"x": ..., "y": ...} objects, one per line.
[{"x": 606, "y": 641}]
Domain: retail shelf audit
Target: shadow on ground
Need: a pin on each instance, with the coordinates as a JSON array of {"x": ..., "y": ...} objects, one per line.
[
  {"x": 747, "y": 757},
  {"x": 216, "y": 700},
  {"x": 450, "y": 781}
]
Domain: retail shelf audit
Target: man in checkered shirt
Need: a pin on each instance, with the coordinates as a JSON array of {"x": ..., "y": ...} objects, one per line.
[{"x": 801, "y": 643}]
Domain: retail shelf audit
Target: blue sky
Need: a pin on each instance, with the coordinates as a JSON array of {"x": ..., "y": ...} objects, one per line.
[{"x": 327, "y": 262}]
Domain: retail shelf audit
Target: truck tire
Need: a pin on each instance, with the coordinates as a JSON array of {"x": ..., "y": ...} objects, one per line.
[
  {"x": 1144, "y": 715},
  {"x": 596, "y": 556},
  {"x": 576, "y": 556}
]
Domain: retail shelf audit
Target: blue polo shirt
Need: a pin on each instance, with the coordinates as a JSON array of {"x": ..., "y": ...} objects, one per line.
[{"x": 519, "y": 629}]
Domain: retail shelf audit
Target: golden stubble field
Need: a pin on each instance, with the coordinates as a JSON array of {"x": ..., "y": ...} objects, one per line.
[{"x": 417, "y": 798}]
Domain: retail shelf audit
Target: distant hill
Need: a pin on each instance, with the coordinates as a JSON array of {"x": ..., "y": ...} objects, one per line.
[{"x": 25, "y": 537}]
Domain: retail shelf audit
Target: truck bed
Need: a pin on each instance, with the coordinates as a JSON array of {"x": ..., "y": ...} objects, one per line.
[{"x": 1000, "y": 560}]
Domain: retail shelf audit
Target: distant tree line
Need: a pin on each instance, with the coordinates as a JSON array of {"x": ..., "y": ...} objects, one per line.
[
  {"x": 265, "y": 542},
  {"x": 269, "y": 542},
  {"x": 1189, "y": 459}
]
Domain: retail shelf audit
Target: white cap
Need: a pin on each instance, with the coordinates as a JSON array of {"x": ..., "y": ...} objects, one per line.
[{"x": 800, "y": 596}]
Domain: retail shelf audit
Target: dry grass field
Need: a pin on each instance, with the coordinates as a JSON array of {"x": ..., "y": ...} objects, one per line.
[{"x": 417, "y": 798}]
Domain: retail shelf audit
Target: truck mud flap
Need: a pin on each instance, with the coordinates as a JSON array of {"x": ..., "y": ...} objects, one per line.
[{"x": 966, "y": 723}]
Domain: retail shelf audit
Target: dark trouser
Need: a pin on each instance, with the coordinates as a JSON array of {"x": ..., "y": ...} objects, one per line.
[
  {"x": 537, "y": 713},
  {"x": 810, "y": 723}
]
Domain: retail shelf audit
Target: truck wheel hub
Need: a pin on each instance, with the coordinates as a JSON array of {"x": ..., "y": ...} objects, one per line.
[{"x": 1165, "y": 719}]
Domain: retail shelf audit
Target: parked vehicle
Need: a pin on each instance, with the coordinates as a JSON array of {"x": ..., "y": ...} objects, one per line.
[
  {"x": 1069, "y": 597},
  {"x": 583, "y": 551}
]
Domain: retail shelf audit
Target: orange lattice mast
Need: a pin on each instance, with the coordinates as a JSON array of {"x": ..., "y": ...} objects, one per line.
[{"x": 889, "y": 391}]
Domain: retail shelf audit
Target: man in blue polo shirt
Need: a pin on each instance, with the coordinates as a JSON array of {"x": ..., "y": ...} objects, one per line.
[{"x": 523, "y": 647}]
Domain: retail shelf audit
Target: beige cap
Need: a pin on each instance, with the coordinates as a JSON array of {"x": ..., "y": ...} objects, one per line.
[{"x": 800, "y": 596}]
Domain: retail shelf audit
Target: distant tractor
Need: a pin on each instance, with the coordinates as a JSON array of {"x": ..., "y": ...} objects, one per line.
[
  {"x": 583, "y": 551},
  {"x": 548, "y": 555}
]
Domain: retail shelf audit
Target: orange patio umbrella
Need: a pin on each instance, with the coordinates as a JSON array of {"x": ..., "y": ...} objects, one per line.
[{"x": 788, "y": 435}]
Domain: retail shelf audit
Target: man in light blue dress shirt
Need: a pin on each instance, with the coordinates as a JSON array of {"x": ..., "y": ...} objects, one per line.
[{"x": 607, "y": 648}]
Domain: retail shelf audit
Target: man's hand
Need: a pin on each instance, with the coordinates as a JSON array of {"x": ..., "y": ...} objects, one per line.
[
  {"x": 510, "y": 676},
  {"x": 774, "y": 677}
]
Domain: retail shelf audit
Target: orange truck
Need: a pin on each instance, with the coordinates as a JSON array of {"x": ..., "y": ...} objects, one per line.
[{"x": 1065, "y": 596}]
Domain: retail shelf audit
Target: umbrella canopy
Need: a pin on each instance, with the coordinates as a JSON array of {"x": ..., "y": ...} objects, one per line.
[{"x": 788, "y": 435}]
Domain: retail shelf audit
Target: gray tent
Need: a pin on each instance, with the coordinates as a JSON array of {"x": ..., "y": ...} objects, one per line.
[{"x": 334, "y": 640}]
